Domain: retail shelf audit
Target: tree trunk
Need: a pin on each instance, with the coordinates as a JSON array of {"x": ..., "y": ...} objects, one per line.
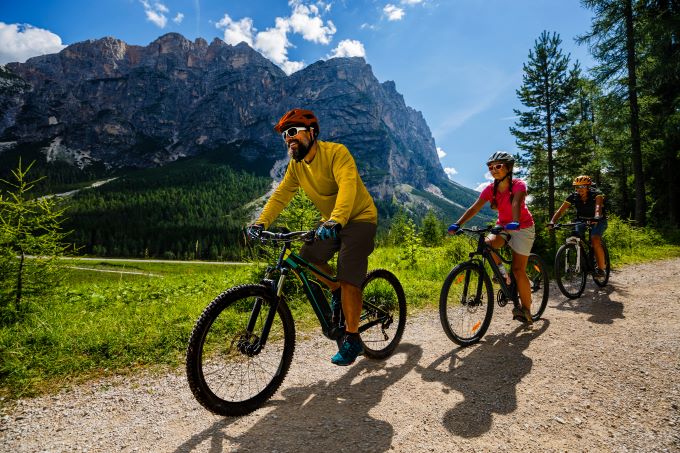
[
  {"x": 640, "y": 195},
  {"x": 551, "y": 161},
  {"x": 625, "y": 198}
]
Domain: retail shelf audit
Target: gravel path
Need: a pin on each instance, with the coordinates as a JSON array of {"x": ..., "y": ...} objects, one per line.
[{"x": 601, "y": 373}]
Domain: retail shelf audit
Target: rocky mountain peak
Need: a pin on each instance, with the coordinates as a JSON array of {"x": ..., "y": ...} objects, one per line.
[{"x": 125, "y": 105}]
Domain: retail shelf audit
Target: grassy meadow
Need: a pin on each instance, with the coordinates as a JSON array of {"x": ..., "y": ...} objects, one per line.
[{"x": 115, "y": 317}]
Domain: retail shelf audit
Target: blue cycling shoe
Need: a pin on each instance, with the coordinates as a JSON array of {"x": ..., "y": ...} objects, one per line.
[{"x": 349, "y": 351}]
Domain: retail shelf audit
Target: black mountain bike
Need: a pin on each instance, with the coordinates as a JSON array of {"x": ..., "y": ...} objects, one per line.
[
  {"x": 466, "y": 300},
  {"x": 242, "y": 345},
  {"x": 576, "y": 259}
]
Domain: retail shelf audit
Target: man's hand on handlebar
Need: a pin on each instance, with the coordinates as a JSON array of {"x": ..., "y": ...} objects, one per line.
[
  {"x": 330, "y": 229},
  {"x": 254, "y": 231}
]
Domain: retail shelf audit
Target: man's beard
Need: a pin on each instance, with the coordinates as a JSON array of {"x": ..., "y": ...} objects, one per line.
[{"x": 300, "y": 152}]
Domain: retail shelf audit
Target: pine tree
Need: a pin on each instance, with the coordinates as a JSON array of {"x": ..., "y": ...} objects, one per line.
[
  {"x": 31, "y": 241},
  {"x": 548, "y": 89},
  {"x": 300, "y": 214},
  {"x": 612, "y": 40},
  {"x": 659, "y": 70},
  {"x": 432, "y": 231}
]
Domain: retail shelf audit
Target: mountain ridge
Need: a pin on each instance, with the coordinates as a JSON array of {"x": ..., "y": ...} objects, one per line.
[{"x": 106, "y": 102}]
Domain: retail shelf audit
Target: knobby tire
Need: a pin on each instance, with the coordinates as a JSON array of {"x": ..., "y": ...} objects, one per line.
[{"x": 224, "y": 379}]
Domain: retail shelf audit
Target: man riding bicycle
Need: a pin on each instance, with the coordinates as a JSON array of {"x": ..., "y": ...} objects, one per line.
[
  {"x": 328, "y": 174},
  {"x": 589, "y": 204}
]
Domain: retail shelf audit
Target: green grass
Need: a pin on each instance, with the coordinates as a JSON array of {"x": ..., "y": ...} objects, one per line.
[{"x": 100, "y": 323}]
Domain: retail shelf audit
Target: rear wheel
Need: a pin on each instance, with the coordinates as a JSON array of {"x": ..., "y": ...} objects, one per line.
[
  {"x": 570, "y": 270},
  {"x": 228, "y": 370},
  {"x": 602, "y": 281},
  {"x": 540, "y": 285},
  {"x": 466, "y": 304},
  {"x": 383, "y": 313}
]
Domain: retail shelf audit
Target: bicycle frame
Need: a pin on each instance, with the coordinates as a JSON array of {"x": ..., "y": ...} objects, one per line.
[
  {"x": 486, "y": 252},
  {"x": 287, "y": 262}
]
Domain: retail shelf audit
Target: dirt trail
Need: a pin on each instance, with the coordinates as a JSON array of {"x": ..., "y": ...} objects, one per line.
[{"x": 601, "y": 373}]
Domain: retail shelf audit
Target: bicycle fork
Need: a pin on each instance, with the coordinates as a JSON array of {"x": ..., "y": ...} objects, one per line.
[
  {"x": 577, "y": 267},
  {"x": 250, "y": 344}
]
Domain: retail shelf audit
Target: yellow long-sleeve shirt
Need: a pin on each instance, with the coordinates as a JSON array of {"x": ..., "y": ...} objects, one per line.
[{"x": 333, "y": 184}]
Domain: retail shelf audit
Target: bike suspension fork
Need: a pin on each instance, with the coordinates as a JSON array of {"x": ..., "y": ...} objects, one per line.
[
  {"x": 577, "y": 242},
  {"x": 273, "y": 307}
]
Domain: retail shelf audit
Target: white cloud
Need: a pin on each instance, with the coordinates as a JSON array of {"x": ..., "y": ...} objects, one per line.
[
  {"x": 482, "y": 185},
  {"x": 305, "y": 21},
  {"x": 393, "y": 12},
  {"x": 19, "y": 42},
  {"x": 236, "y": 32},
  {"x": 440, "y": 152},
  {"x": 348, "y": 48},
  {"x": 411, "y": 2},
  {"x": 273, "y": 43},
  {"x": 450, "y": 171},
  {"x": 155, "y": 13},
  {"x": 178, "y": 18}
]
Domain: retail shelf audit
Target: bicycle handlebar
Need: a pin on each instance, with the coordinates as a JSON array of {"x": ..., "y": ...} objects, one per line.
[
  {"x": 587, "y": 222},
  {"x": 477, "y": 230},
  {"x": 287, "y": 237}
]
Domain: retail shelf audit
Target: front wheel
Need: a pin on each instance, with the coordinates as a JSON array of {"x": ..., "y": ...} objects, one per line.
[
  {"x": 570, "y": 271},
  {"x": 383, "y": 313},
  {"x": 466, "y": 304},
  {"x": 228, "y": 370},
  {"x": 602, "y": 281},
  {"x": 540, "y": 285}
]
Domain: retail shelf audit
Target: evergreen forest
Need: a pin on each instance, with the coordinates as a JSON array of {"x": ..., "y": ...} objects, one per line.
[
  {"x": 190, "y": 209},
  {"x": 618, "y": 122}
]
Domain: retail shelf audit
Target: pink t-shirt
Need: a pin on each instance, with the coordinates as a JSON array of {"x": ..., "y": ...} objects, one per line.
[{"x": 505, "y": 206}]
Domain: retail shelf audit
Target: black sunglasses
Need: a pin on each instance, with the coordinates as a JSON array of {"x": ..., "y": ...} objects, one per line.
[{"x": 293, "y": 131}]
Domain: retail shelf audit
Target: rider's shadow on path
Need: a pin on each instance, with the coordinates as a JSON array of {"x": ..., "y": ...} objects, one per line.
[
  {"x": 326, "y": 416},
  {"x": 487, "y": 378},
  {"x": 596, "y": 302}
]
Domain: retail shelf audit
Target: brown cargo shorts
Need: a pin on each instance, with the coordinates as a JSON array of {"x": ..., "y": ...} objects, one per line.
[{"x": 356, "y": 242}]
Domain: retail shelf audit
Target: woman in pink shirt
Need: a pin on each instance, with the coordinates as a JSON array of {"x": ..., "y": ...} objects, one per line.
[{"x": 507, "y": 196}]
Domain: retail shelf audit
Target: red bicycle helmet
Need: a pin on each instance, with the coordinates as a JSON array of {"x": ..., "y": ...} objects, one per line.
[{"x": 298, "y": 117}]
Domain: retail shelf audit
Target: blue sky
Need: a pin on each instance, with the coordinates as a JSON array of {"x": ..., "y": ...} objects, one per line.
[{"x": 459, "y": 62}]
